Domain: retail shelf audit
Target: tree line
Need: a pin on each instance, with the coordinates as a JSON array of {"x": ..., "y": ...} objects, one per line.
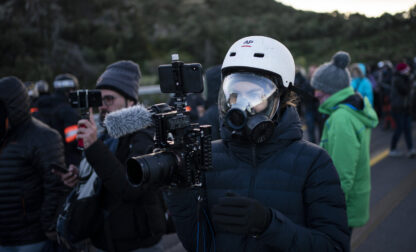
[{"x": 41, "y": 38}]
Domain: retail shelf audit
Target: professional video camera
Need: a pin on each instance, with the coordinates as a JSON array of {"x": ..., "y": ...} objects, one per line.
[
  {"x": 82, "y": 100},
  {"x": 182, "y": 149}
]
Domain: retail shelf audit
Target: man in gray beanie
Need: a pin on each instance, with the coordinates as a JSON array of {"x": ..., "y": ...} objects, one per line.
[
  {"x": 122, "y": 76},
  {"x": 133, "y": 222},
  {"x": 119, "y": 80},
  {"x": 119, "y": 85},
  {"x": 346, "y": 133}
]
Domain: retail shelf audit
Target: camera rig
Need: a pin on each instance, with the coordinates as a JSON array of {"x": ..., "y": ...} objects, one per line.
[
  {"x": 83, "y": 100},
  {"x": 182, "y": 149}
]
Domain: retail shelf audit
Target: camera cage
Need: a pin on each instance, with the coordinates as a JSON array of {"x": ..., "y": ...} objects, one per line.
[
  {"x": 82, "y": 102},
  {"x": 189, "y": 144}
]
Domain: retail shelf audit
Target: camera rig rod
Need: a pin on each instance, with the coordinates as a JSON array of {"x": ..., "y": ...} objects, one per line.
[{"x": 180, "y": 102}]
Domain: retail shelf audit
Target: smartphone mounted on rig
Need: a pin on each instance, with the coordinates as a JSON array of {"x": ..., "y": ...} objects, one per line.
[
  {"x": 180, "y": 77},
  {"x": 83, "y": 100}
]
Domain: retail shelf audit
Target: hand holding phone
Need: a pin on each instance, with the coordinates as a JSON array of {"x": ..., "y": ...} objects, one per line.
[
  {"x": 55, "y": 167},
  {"x": 69, "y": 177}
]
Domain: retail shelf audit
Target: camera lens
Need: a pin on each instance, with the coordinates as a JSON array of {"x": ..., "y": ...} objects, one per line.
[
  {"x": 236, "y": 118},
  {"x": 151, "y": 168}
]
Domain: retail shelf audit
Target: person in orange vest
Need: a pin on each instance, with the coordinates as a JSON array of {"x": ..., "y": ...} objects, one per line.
[{"x": 56, "y": 111}]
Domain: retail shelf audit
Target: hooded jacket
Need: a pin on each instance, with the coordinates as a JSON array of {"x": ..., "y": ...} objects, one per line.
[
  {"x": 294, "y": 178},
  {"x": 29, "y": 193},
  {"x": 346, "y": 137},
  {"x": 362, "y": 84},
  {"x": 213, "y": 83},
  {"x": 401, "y": 93}
]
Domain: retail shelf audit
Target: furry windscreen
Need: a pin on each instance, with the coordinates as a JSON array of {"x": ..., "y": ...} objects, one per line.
[{"x": 128, "y": 120}]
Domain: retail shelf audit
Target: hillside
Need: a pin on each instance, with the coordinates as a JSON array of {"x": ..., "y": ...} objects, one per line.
[{"x": 41, "y": 38}]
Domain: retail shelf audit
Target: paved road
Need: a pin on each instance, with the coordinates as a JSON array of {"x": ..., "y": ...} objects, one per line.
[{"x": 393, "y": 202}]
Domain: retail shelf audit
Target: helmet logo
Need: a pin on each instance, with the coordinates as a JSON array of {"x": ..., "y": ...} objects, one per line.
[{"x": 247, "y": 43}]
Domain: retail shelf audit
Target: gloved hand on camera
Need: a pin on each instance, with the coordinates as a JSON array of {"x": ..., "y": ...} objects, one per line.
[{"x": 241, "y": 215}]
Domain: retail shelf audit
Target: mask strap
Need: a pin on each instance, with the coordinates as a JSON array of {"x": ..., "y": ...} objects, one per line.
[{"x": 282, "y": 95}]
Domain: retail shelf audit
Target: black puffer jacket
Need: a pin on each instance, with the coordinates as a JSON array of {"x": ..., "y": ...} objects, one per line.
[
  {"x": 29, "y": 192},
  {"x": 294, "y": 178}
]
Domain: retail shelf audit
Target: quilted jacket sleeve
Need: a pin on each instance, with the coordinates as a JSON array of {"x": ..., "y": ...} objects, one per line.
[{"x": 50, "y": 151}]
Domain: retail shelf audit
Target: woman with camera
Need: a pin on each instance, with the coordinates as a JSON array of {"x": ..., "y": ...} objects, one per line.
[{"x": 269, "y": 190}]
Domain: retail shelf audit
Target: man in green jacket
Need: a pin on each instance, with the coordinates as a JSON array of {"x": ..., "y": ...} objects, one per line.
[{"x": 346, "y": 134}]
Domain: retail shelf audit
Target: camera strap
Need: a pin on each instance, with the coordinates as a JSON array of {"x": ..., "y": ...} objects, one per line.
[{"x": 202, "y": 214}]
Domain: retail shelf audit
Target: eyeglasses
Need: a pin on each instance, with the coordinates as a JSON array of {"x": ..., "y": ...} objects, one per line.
[{"x": 108, "y": 100}]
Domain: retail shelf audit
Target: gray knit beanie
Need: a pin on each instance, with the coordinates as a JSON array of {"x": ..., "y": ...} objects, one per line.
[
  {"x": 333, "y": 76},
  {"x": 123, "y": 77}
]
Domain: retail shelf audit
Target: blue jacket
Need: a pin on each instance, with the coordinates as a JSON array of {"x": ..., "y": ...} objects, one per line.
[
  {"x": 363, "y": 85},
  {"x": 294, "y": 178}
]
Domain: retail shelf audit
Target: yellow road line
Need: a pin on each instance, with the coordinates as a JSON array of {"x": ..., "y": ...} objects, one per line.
[
  {"x": 383, "y": 209},
  {"x": 380, "y": 156},
  {"x": 385, "y": 206}
]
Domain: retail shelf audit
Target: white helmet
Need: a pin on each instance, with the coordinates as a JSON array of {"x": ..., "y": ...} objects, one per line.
[{"x": 262, "y": 53}]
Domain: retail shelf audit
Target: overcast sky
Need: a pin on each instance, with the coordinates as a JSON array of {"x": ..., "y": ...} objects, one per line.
[{"x": 370, "y": 8}]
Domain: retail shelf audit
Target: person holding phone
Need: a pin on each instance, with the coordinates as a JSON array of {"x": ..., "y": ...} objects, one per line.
[{"x": 134, "y": 221}]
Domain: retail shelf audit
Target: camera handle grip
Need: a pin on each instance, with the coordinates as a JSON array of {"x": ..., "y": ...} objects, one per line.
[
  {"x": 84, "y": 115},
  {"x": 80, "y": 140}
]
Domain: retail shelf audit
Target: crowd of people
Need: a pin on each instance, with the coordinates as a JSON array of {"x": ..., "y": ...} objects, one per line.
[
  {"x": 390, "y": 89},
  {"x": 269, "y": 188}
]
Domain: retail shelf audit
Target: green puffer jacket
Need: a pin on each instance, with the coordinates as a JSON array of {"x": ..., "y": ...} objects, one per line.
[{"x": 346, "y": 137}]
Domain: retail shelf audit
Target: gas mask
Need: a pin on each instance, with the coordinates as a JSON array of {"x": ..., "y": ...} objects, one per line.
[{"x": 248, "y": 102}]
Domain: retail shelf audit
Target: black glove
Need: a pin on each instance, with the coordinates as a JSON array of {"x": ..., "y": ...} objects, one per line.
[{"x": 241, "y": 215}]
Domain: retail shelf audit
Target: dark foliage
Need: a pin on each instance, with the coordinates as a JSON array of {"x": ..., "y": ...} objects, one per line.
[{"x": 41, "y": 38}]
